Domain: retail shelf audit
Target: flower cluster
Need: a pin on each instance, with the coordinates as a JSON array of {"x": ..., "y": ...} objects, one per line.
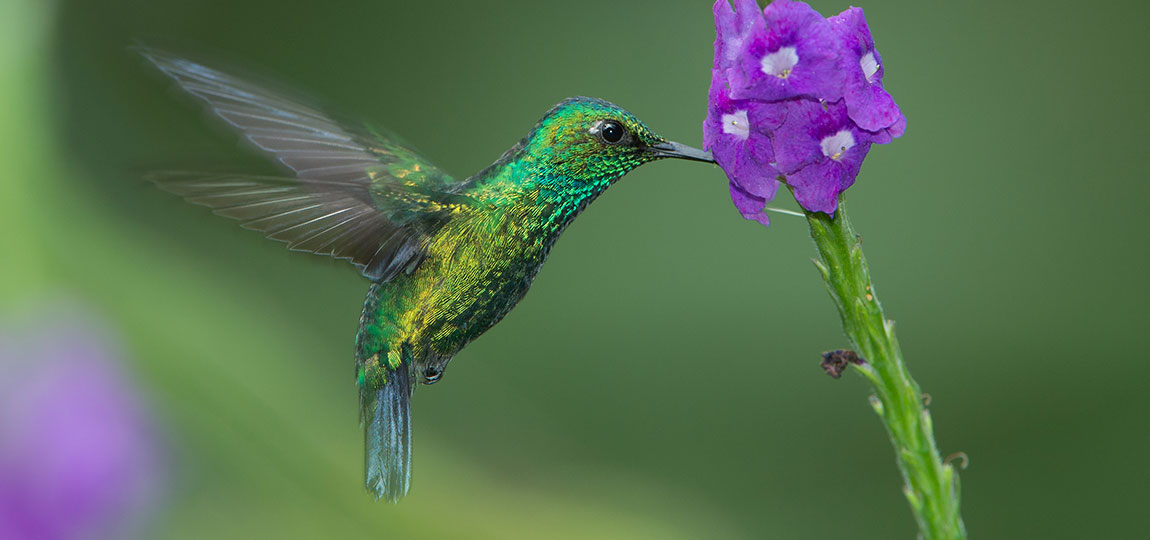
[
  {"x": 78, "y": 457},
  {"x": 794, "y": 97}
]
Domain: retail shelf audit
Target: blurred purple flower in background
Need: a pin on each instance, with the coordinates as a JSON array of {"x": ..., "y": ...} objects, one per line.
[
  {"x": 794, "y": 97},
  {"x": 77, "y": 456}
]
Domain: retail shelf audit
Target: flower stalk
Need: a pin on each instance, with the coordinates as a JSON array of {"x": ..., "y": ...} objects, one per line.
[{"x": 930, "y": 484}]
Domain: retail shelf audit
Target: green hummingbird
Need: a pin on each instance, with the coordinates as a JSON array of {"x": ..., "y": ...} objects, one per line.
[{"x": 447, "y": 259}]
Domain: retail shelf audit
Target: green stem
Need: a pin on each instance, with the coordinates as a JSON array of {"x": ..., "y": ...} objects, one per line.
[{"x": 931, "y": 485}]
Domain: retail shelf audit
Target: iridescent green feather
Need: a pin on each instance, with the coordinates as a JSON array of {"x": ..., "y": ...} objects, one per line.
[{"x": 448, "y": 259}]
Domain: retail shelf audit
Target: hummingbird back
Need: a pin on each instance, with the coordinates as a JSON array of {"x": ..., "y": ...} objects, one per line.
[{"x": 447, "y": 260}]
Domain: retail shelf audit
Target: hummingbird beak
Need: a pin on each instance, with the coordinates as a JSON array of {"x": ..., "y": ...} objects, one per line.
[{"x": 670, "y": 149}]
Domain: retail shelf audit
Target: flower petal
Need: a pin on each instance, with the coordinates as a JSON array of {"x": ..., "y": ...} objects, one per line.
[
  {"x": 750, "y": 206},
  {"x": 732, "y": 26},
  {"x": 897, "y": 128},
  {"x": 798, "y": 142},
  {"x": 872, "y": 108},
  {"x": 861, "y": 66},
  {"x": 795, "y": 54},
  {"x": 736, "y": 132},
  {"x": 817, "y": 186},
  {"x": 821, "y": 151}
]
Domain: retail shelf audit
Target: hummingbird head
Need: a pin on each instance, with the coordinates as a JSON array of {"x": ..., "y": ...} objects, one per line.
[{"x": 586, "y": 139}]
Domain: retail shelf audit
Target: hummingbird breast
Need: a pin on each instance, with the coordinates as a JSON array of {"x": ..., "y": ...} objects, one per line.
[{"x": 477, "y": 268}]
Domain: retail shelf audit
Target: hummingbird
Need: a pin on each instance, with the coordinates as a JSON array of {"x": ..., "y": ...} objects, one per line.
[{"x": 446, "y": 259}]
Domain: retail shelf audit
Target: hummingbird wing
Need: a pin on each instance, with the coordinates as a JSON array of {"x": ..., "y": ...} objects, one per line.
[{"x": 356, "y": 194}]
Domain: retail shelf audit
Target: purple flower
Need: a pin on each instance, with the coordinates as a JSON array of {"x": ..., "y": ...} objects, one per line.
[
  {"x": 732, "y": 28},
  {"x": 820, "y": 151},
  {"x": 794, "y": 97},
  {"x": 77, "y": 459},
  {"x": 869, "y": 105},
  {"x": 792, "y": 54},
  {"x": 737, "y": 131}
]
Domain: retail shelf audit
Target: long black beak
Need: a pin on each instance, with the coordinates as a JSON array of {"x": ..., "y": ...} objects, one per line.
[{"x": 675, "y": 150}]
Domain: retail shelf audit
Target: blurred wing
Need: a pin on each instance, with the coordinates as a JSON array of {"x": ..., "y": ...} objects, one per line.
[{"x": 363, "y": 198}]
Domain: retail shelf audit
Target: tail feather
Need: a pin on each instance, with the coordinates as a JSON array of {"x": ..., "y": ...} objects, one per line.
[{"x": 387, "y": 437}]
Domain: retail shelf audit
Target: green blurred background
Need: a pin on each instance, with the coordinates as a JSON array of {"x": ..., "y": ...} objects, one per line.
[{"x": 661, "y": 380}]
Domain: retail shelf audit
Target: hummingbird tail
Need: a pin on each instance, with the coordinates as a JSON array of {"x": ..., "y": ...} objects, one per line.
[{"x": 387, "y": 436}]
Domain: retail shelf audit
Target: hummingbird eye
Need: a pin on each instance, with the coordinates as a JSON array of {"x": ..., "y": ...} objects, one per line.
[{"x": 611, "y": 131}]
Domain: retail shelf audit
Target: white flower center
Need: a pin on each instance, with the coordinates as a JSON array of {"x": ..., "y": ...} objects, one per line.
[
  {"x": 781, "y": 62},
  {"x": 736, "y": 124},
  {"x": 869, "y": 65},
  {"x": 836, "y": 145}
]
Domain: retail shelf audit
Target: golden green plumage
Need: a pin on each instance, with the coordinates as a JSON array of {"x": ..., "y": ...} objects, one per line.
[
  {"x": 482, "y": 258},
  {"x": 447, "y": 259}
]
